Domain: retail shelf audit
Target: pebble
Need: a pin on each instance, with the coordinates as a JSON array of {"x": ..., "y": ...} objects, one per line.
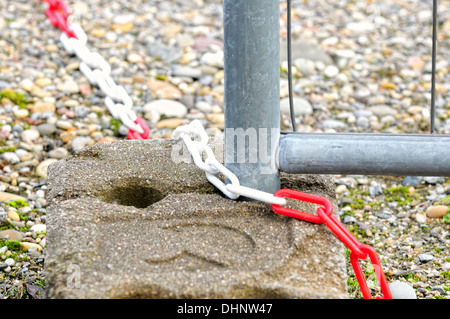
[
  {"x": 301, "y": 106},
  {"x": 30, "y": 136},
  {"x": 425, "y": 257},
  {"x": 80, "y": 142},
  {"x": 437, "y": 211},
  {"x": 169, "y": 123},
  {"x": 46, "y": 129},
  {"x": 41, "y": 169},
  {"x": 402, "y": 290},
  {"x": 38, "y": 228},
  {"x": 13, "y": 215},
  {"x": 166, "y": 107},
  {"x": 6, "y": 197},
  {"x": 30, "y": 246},
  {"x": 11, "y": 234},
  {"x": 58, "y": 153}
]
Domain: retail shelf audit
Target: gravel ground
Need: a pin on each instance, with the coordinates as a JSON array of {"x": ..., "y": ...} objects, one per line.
[{"x": 367, "y": 69}]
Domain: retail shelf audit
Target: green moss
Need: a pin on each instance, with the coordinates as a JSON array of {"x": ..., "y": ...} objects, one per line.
[
  {"x": 17, "y": 98},
  {"x": 5, "y": 149},
  {"x": 115, "y": 125},
  {"x": 18, "y": 203},
  {"x": 12, "y": 245}
]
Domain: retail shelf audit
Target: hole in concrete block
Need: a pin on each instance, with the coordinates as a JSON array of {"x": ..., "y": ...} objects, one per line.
[{"x": 137, "y": 196}]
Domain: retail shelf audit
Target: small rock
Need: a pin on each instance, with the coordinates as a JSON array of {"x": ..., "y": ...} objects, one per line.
[
  {"x": 63, "y": 124},
  {"x": 163, "y": 89},
  {"x": 331, "y": 71},
  {"x": 421, "y": 217},
  {"x": 80, "y": 142},
  {"x": 10, "y": 262},
  {"x": 59, "y": 152},
  {"x": 21, "y": 113},
  {"x": 341, "y": 189},
  {"x": 38, "y": 228},
  {"x": 437, "y": 211},
  {"x": 412, "y": 180},
  {"x": 46, "y": 129},
  {"x": 13, "y": 215},
  {"x": 425, "y": 257},
  {"x": 66, "y": 137},
  {"x": 30, "y": 136},
  {"x": 166, "y": 107},
  {"x": 41, "y": 169},
  {"x": 401, "y": 290},
  {"x": 43, "y": 107},
  {"x": 134, "y": 58},
  {"x": 26, "y": 246},
  {"x": 107, "y": 139},
  {"x": 11, "y": 234},
  {"x": 216, "y": 118},
  {"x": 169, "y": 123},
  {"x": 301, "y": 106},
  {"x": 27, "y": 85},
  {"x": 10, "y": 157},
  {"x": 382, "y": 110},
  {"x": 434, "y": 179},
  {"x": 6, "y": 197}
]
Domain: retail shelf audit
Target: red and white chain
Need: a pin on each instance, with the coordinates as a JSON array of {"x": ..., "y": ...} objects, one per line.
[
  {"x": 96, "y": 69},
  {"x": 196, "y": 139}
]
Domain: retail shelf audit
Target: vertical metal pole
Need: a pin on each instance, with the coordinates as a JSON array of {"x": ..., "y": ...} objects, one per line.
[{"x": 252, "y": 75}]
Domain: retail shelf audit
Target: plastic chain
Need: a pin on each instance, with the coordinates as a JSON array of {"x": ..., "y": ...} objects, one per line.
[
  {"x": 97, "y": 70},
  {"x": 58, "y": 13},
  {"x": 325, "y": 216}
]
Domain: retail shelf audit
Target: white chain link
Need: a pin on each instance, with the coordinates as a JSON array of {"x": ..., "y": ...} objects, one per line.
[
  {"x": 97, "y": 71},
  {"x": 196, "y": 139}
]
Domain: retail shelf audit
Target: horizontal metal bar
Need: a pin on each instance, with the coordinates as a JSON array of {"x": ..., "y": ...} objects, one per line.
[{"x": 365, "y": 154}]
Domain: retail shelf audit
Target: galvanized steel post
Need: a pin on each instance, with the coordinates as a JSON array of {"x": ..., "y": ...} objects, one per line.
[
  {"x": 252, "y": 75},
  {"x": 365, "y": 154}
]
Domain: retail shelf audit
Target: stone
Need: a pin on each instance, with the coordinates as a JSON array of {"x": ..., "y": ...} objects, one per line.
[
  {"x": 169, "y": 123},
  {"x": 11, "y": 234},
  {"x": 304, "y": 49},
  {"x": 382, "y": 110},
  {"x": 26, "y": 246},
  {"x": 41, "y": 169},
  {"x": 163, "y": 89},
  {"x": 421, "y": 217},
  {"x": 43, "y": 107},
  {"x": 12, "y": 214},
  {"x": 301, "y": 106},
  {"x": 401, "y": 290},
  {"x": 6, "y": 197},
  {"x": 331, "y": 71},
  {"x": 30, "y": 136},
  {"x": 137, "y": 219},
  {"x": 38, "y": 228},
  {"x": 166, "y": 107},
  {"x": 425, "y": 257},
  {"x": 21, "y": 113},
  {"x": 59, "y": 152},
  {"x": 10, "y": 157},
  {"x": 80, "y": 142},
  {"x": 437, "y": 211},
  {"x": 46, "y": 129}
]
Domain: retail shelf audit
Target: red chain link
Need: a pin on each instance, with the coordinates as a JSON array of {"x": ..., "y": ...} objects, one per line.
[
  {"x": 58, "y": 13},
  {"x": 325, "y": 216},
  {"x": 133, "y": 135}
]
